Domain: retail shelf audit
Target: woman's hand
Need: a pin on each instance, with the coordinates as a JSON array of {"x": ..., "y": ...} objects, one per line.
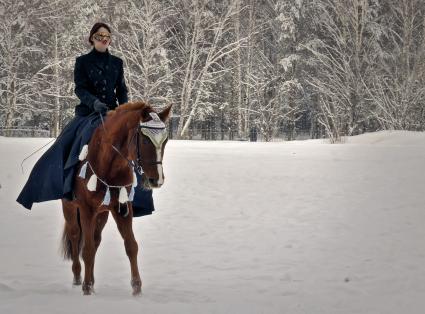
[{"x": 100, "y": 107}]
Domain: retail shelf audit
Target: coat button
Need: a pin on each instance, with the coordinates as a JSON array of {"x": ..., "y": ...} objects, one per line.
[
  {"x": 103, "y": 96},
  {"x": 104, "y": 88}
]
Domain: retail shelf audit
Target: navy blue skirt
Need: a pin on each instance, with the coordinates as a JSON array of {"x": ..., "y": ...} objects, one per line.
[{"x": 52, "y": 177}]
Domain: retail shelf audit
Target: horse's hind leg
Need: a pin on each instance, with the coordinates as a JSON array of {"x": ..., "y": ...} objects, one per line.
[
  {"x": 125, "y": 228},
  {"x": 88, "y": 224},
  {"x": 71, "y": 239}
]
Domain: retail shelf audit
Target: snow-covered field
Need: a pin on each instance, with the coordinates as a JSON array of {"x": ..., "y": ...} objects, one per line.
[{"x": 299, "y": 227}]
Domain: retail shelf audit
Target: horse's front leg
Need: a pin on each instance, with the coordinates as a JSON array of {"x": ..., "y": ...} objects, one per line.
[
  {"x": 125, "y": 227},
  {"x": 88, "y": 223},
  {"x": 101, "y": 220},
  {"x": 100, "y": 223}
]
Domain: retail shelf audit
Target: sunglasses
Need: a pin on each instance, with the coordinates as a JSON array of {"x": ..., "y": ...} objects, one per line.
[{"x": 101, "y": 36}]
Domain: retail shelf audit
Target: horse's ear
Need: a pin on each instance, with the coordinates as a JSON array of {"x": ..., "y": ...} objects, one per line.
[{"x": 164, "y": 115}]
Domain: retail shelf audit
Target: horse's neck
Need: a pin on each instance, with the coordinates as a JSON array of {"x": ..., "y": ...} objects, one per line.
[{"x": 110, "y": 165}]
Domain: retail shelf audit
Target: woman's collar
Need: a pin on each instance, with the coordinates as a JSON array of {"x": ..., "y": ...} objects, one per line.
[{"x": 97, "y": 52}]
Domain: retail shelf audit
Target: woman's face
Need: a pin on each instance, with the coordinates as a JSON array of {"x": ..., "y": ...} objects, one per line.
[{"x": 101, "y": 39}]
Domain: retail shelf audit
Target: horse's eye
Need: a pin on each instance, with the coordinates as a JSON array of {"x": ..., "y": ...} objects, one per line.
[{"x": 145, "y": 141}]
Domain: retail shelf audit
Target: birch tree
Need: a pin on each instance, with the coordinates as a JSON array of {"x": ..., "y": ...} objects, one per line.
[
  {"x": 350, "y": 66},
  {"x": 398, "y": 88},
  {"x": 348, "y": 41},
  {"x": 143, "y": 46},
  {"x": 237, "y": 73},
  {"x": 273, "y": 77},
  {"x": 250, "y": 25},
  {"x": 54, "y": 76},
  {"x": 18, "y": 48},
  {"x": 290, "y": 26},
  {"x": 201, "y": 47}
]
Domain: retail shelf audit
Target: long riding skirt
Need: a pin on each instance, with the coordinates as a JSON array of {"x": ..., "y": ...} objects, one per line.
[{"x": 52, "y": 177}]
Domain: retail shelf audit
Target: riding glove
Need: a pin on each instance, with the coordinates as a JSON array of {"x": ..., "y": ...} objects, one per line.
[{"x": 100, "y": 107}]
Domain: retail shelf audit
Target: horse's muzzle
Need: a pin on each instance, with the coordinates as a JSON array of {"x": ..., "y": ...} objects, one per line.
[{"x": 155, "y": 183}]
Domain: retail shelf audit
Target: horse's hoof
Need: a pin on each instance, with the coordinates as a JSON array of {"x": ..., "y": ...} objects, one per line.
[
  {"x": 76, "y": 281},
  {"x": 137, "y": 291},
  {"x": 88, "y": 289},
  {"x": 137, "y": 287}
]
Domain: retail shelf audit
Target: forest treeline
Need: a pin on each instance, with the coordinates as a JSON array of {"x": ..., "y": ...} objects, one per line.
[{"x": 328, "y": 68}]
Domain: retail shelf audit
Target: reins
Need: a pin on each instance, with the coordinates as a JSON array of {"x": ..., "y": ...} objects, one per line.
[
  {"x": 135, "y": 165},
  {"x": 131, "y": 163},
  {"x": 22, "y": 167}
]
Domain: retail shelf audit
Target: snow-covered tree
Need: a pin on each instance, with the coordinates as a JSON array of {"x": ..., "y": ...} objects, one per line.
[
  {"x": 345, "y": 50},
  {"x": 142, "y": 41},
  {"x": 398, "y": 87},
  {"x": 199, "y": 42},
  {"x": 18, "y": 51},
  {"x": 340, "y": 67},
  {"x": 54, "y": 79}
]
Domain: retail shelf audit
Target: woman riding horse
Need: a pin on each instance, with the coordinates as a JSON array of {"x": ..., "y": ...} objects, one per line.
[
  {"x": 116, "y": 157},
  {"x": 99, "y": 84}
]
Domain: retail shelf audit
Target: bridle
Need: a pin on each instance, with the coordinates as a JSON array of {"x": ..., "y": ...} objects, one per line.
[
  {"x": 137, "y": 164},
  {"x": 149, "y": 129}
]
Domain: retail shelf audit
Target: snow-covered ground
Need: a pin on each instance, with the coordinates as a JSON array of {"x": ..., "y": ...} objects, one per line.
[{"x": 289, "y": 227}]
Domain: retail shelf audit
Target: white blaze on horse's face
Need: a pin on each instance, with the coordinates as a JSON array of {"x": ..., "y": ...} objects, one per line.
[{"x": 155, "y": 130}]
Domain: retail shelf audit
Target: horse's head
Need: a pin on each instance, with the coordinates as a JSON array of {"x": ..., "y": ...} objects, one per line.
[
  {"x": 143, "y": 136},
  {"x": 151, "y": 138}
]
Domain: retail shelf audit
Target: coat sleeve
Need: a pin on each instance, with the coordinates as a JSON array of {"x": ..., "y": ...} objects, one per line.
[
  {"x": 82, "y": 85},
  {"x": 121, "y": 88}
]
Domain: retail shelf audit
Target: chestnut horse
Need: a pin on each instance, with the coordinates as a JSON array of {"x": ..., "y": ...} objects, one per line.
[{"x": 118, "y": 147}]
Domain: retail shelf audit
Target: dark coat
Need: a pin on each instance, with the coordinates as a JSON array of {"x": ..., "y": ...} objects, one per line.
[
  {"x": 52, "y": 177},
  {"x": 99, "y": 76}
]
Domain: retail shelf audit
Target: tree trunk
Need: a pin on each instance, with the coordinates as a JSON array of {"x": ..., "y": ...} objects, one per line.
[
  {"x": 247, "y": 103},
  {"x": 55, "y": 123},
  {"x": 238, "y": 75}
]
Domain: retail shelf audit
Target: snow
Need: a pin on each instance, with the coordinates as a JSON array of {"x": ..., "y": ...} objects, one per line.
[{"x": 288, "y": 227}]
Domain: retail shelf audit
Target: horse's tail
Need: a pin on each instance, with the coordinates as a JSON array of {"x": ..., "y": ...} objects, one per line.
[{"x": 66, "y": 248}]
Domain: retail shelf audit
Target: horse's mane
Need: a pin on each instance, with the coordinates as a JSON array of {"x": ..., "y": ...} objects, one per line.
[
  {"x": 130, "y": 111},
  {"x": 132, "y": 106},
  {"x": 128, "y": 115}
]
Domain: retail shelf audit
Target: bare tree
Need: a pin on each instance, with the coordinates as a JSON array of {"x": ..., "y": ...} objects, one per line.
[
  {"x": 17, "y": 51},
  {"x": 53, "y": 77},
  {"x": 344, "y": 53},
  {"x": 201, "y": 46},
  {"x": 342, "y": 66},
  {"x": 143, "y": 45},
  {"x": 289, "y": 23},
  {"x": 398, "y": 88}
]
